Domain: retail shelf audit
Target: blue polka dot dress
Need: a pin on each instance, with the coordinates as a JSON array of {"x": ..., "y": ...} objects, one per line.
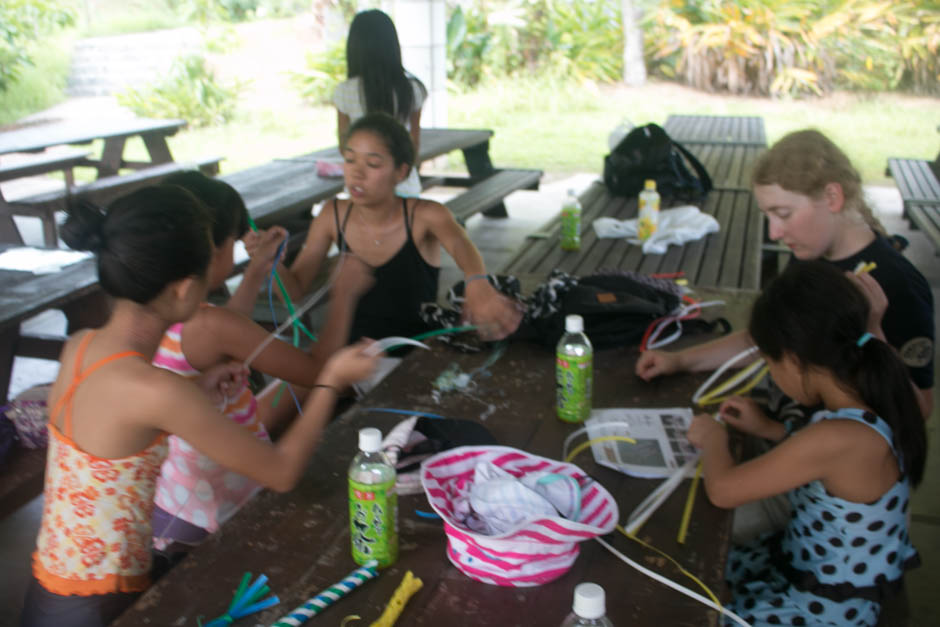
[{"x": 834, "y": 562}]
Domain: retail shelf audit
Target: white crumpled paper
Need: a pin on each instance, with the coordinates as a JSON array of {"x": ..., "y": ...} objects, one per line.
[{"x": 676, "y": 226}]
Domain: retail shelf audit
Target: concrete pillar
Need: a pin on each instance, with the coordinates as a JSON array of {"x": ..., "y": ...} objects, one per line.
[{"x": 422, "y": 32}]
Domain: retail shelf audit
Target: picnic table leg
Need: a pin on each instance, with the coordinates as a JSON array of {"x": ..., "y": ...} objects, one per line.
[
  {"x": 8, "y": 340},
  {"x": 479, "y": 166},
  {"x": 9, "y": 234},
  {"x": 158, "y": 149},
  {"x": 112, "y": 156}
]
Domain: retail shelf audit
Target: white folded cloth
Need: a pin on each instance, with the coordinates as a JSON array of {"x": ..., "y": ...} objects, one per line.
[{"x": 676, "y": 226}]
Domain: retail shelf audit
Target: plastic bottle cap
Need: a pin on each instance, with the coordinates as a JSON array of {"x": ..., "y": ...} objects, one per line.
[
  {"x": 649, "y": 184},
  {"x": 370, "y": 440},
  {"x": 589, "y": 600},
  {"x": 574, "y": 324}
]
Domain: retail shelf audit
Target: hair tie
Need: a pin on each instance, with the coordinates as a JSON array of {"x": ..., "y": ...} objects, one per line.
[{"x": 863, "y": 339}]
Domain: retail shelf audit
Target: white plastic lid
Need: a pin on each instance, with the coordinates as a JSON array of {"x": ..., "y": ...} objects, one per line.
[
  {"x": 574, "y": 324},
  {"x": 588, "y": 600},
  {"x": 370, "y": 440}
]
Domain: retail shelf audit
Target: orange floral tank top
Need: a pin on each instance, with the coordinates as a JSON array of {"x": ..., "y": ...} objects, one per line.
[{"x": 95, "y": 532}]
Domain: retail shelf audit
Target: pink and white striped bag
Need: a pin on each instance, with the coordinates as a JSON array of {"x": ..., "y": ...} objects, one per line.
[{"x": 534, "y": 551}]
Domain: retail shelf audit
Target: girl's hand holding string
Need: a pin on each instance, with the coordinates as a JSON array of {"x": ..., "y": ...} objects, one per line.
[
  {"x": 652, "y": 364},
  {"x": 706, "y": 432},
  {"x": 262, "y": 246},
  {"x": 877, "y": 300},
  {"x": 349, "y": 365},
  {"x": 745, "y": 415},
  {"x": 494, "y": 315},
  {"x": 223, "y": 381}
]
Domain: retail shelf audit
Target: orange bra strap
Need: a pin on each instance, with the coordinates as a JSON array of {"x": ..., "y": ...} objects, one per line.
[
  {"x": 76, "y": 373},
  {"x": 80, "y": 375}
]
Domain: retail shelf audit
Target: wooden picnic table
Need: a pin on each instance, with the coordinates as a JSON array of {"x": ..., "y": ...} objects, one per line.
[
  {"x": 300, "y": 539},
  {"x": 286, "y": 189},
  {"x": 115, "y": 131},
  {"x": 729, "y": 258},
  {"x": 727, "y": 146},
  {"x": 717, "y": 129},
  {"x": 74, "y": 289}
]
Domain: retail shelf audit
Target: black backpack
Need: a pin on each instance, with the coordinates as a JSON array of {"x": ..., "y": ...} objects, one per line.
[{"x": 647, "y": 152}]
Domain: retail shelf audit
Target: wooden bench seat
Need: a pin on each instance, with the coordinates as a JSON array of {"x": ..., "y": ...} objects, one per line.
[
  {"x": 23, "y": 474},
  {"x": 920, "y": 190},
  {"x": 100, "y": 191},
  {"x": 489, "y": 192}
]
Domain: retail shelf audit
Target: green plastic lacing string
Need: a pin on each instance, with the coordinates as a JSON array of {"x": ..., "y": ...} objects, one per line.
[{"x": 297, "y": 324}]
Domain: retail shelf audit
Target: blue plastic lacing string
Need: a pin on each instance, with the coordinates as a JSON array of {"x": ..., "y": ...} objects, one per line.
[{"x": 296, "y": 337}]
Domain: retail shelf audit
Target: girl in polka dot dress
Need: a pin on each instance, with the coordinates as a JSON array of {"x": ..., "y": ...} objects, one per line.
[{"x": 847, "y": 475}]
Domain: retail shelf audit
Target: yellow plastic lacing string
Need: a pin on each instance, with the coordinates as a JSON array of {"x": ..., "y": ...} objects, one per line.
[{"x": 621, "y": 438}]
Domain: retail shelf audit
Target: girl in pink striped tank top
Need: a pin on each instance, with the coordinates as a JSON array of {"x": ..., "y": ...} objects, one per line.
[{"x": 195, "y": 496}]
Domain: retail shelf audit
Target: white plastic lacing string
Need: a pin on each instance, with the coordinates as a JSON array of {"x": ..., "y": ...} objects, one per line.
[
  {"x": 751, "y": 369},
  {"x": 675, "y": 586},
  {"x": 677, "y": 316}
]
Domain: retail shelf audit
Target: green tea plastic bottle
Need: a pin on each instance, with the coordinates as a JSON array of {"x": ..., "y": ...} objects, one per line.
[
  {"x": 571, "y": 222},
  {"x": 589, "y": 607},
  {"x": 574, "y": 372},
  {"x": 648, "y": 213},
  {"x": 373, "y": 503}
]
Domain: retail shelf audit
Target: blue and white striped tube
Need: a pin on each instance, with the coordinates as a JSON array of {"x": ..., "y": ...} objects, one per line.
[{"x": 323, "y": 600}]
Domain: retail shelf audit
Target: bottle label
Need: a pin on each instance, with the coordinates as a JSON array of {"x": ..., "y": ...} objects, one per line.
[
  {"x": 574, "y": 376},
  {"x": 570, "y": 228},
  {"x": 373, "y": 522},
  {"x": 648, "y": 215}
]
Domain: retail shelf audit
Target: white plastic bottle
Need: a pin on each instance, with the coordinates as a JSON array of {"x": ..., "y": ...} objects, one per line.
[
  {"x": 373, "y": 503},
  {"x": 588, "y": 607},
  {"x": 574, "y": 372},
  {"x": 571, "y": 222},
  {"x": 648, "y": 213}
]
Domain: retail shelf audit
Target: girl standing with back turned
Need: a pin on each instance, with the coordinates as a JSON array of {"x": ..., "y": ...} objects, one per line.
[{"x": 377, "y": 82}]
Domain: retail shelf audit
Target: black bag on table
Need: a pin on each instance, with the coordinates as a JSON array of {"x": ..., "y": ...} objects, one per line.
[{"x": 647, "y": 152}]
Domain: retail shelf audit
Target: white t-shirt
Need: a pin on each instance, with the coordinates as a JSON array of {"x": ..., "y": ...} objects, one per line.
[{"x": 350, "y": 101}]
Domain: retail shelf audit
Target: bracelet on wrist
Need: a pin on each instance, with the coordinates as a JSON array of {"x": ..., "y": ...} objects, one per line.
[
  {"x": 327, "y": 386},
  {"x": 474, "y": 277}
]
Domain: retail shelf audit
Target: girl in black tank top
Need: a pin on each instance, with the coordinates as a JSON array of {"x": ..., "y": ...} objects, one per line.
[{"x": 406, "y": 280}]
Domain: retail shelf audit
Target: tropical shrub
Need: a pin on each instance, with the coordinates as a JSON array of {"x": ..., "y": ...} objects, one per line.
[
  {"x": 23, "y": 22},
  {"x": 190, "y": 91},
  {"x": 795, "y": 47},
  {"x": 323, "y": 71},
  {"x": 577, "y": 38}
]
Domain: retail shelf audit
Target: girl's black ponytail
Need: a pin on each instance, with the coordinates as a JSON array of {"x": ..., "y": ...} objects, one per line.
[{"x": 814, "y": 313}]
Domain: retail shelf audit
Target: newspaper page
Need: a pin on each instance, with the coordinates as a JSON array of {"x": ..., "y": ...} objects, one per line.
[{"x": 661, "y": 444}]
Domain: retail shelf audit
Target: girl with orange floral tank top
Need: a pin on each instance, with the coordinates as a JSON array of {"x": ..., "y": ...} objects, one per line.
[{"x": 113, "y": 410}]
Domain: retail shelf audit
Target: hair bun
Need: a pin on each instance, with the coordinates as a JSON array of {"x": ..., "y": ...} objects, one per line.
[{"x": 84, "y": 227}]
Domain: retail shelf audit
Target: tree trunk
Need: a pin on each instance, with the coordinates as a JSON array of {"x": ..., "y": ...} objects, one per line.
[{"x": 634, "y": 69}]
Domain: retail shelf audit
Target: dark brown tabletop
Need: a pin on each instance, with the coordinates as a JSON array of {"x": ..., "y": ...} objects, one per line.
[{"x": 300, "y": 540}]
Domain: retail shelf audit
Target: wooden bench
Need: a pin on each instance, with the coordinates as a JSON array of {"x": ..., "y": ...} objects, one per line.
[
  {"x": 59, "y": 162},
  {"x": 920, "y": 190},
  {"x": 489, "y": 192},
  {"x": 100, "y": 191},
  {"x": 23, "y": 474}
]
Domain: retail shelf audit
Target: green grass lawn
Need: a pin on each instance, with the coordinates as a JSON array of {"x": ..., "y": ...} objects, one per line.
[{"x": 563, "y": 128}]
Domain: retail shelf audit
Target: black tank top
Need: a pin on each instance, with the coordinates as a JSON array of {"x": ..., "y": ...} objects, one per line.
[{"x": 401, "y": 284}]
